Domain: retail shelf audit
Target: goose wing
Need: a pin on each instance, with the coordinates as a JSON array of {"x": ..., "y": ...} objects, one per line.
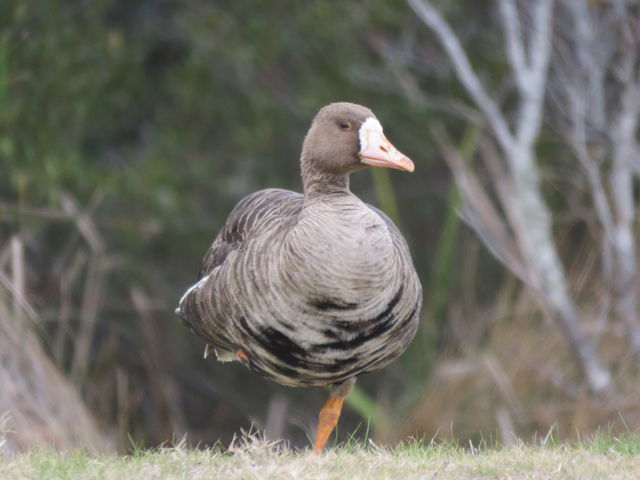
[{"x": 242, "y": 220}]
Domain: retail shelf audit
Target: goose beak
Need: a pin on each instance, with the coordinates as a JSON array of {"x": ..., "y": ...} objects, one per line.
[{"x": 377, "y": 151}]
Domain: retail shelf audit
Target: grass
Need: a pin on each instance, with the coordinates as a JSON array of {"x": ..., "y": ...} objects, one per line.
[{"x": 603, "y": 457}]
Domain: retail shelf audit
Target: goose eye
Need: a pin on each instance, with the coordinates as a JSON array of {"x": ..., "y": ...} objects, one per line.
[{"x": 344, "y": 125}]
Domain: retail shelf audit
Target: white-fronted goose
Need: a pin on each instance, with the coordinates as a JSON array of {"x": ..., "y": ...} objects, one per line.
[{"x": 316, "y": 288}]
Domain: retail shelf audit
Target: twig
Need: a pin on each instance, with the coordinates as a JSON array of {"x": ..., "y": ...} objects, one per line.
[
  {"x": 18, "y": 297},
  {"x": 18, "y": 275},
  {"x": 88, "y": 317}
]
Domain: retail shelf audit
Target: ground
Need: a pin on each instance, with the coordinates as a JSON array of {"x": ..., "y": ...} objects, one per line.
[{"x": 600, "y": 458}]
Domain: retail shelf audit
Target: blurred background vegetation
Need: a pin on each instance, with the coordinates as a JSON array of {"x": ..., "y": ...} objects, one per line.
[{"x": 128, "y": 130}]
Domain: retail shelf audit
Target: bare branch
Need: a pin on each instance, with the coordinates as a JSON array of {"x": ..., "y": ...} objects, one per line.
[
  {"x": 577, "y": 140},
  {"x": 540, "y": 44},
  {"x": 604, "y": 48},
  {"x": 532, "y": 97},
  {"x": 513, "y": 33},
  {"x": 621, "y": 179},
  {"x": 583, "y": 44},
  {"x": 479, "y": 211},
  {"x": 464, "y": 70},
  {"x": 451, "y": 106},
  {"x": 504, "y": 189},
  {"x": 544, "y": 270}
]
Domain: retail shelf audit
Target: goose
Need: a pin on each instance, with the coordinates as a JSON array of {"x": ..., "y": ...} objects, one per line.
[{"x": 315, "y": 288}]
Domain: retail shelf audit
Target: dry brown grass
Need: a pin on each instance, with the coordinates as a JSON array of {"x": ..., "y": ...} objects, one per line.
[{"x": 39, "y": 406}]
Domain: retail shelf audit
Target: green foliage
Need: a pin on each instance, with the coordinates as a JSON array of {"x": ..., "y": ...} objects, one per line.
[
  {"x": 157, "y": 116},
  {"x": 174, "y": 109}
]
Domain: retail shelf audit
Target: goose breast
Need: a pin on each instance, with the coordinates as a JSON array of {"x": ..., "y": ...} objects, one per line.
[{"x": 313, "y": 300}]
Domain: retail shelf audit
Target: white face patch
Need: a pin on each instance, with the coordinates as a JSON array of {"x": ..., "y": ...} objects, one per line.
[{"x": 371, "y": 124}]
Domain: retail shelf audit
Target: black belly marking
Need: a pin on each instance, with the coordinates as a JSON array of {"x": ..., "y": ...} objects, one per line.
[
  {"x": 359, "y": 339},
  {"x": 327, "y": 303},
  {"x": 391, "y": 305},
  {"x": 365, "y": 330},
  {"x": 281, "y": 346},
  {"x": 285, "y": 370},
  {"x": 293, "y": 363}
]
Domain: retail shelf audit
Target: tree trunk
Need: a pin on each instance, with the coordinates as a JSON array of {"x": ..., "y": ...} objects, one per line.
[{"x": 547, "y": 271}]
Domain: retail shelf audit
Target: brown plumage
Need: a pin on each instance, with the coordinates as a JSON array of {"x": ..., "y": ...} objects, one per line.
[{"x": 316, "y": 288}]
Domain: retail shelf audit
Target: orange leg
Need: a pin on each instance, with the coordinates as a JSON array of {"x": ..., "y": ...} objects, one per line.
[{"x": 329, "y": 415}]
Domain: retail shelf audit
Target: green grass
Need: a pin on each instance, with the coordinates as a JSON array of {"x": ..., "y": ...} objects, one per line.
[{"x": 602, "y": 457}]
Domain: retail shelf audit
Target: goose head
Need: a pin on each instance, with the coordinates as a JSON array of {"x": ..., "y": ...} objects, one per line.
[{"x": 345, "y": 137}]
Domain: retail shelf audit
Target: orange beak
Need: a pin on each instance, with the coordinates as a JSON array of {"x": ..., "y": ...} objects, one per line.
[{"x": 379, "y": 152}]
